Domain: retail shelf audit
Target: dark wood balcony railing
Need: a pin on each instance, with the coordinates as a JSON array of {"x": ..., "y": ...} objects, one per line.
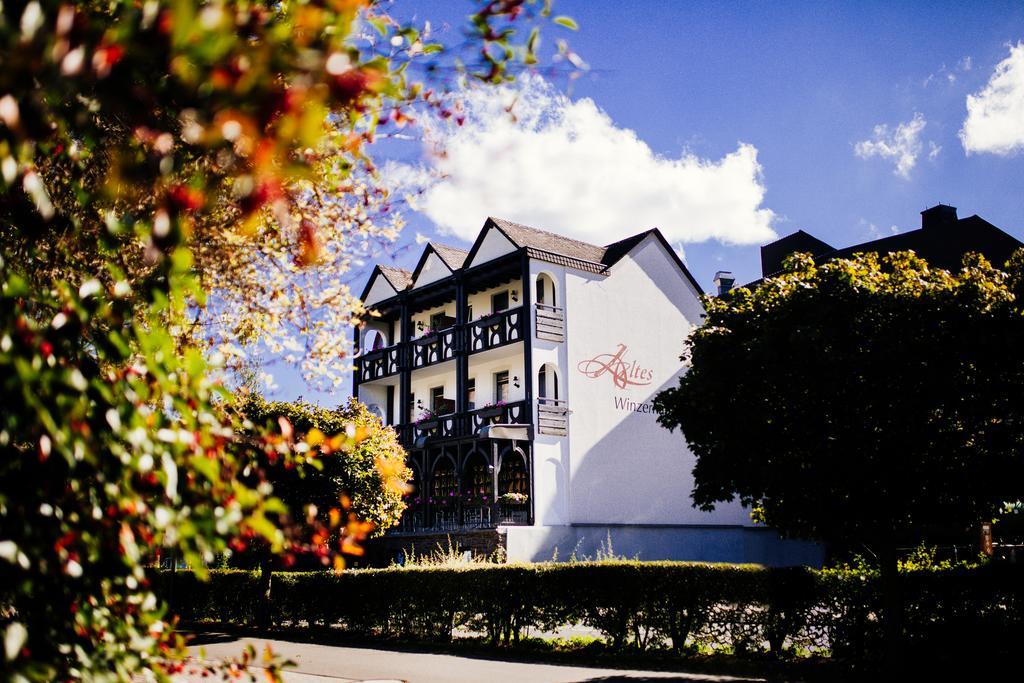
[
  {"x": 417, "y": 520},
  {"x": 461, "y": 425},
  {"x": 497, "y": 329},
  {"x": 380, "y": 363},
  {"x": 552, "y": 416},
  {"x": 435, "y": 348},
  {"x": 507, "y": 414}
]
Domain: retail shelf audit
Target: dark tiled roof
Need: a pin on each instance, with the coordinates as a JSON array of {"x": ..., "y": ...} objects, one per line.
[
  {"x": 616, "y": 250},
  {"x": 774, "y": 253},
  {"x": 400, "y": 278},
  {"x": 943, "y": 242},
  {"x": 525, "y": 236},
  {"x": 944, "y": 246},
  {"x": 452, "y": 256}
]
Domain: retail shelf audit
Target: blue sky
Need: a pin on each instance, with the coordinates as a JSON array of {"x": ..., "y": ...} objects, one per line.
[{"x": 822, "y": 107}]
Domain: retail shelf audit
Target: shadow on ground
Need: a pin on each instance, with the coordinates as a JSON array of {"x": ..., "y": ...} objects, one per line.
[{"x": 208, "y": 638}]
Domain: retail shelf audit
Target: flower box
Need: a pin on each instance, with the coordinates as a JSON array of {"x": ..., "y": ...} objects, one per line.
[
  {"x": 490, "y": 412},
  {"x": 513, "y": 498},
  {"x": 427, "y": 339},
  {"x": 490, "y": 319},
  {"x": 428, "y": 425}
]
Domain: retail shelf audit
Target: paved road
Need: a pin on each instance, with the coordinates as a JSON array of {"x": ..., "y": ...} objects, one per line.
[{"x": 332, "y": 664}]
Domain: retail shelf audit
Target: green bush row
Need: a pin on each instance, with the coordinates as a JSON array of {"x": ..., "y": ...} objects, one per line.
[{"x": 633, "y": 604}]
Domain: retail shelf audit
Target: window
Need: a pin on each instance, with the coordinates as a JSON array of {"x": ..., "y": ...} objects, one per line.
[
  {"x": 499, "y": 301},
  {"x": 437, "y": 400},
  {"x": 471, "y": 393},
  {"x": 545, "y": 290},
  {"x": 440, "y": 321},
  {"x": 547, "y": 382},
  {"x": 501, "y": 386},
  {"x": 469, "y": 312}
]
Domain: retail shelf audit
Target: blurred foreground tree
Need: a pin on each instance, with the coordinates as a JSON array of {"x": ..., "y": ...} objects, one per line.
[
  {"x": 371, "y": 475},
  {"x": 177, "y": 177},
  {"x": 862, "y": 402}
]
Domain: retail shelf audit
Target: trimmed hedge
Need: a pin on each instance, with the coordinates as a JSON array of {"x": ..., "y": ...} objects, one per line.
[{"x": 639, "y": 605}]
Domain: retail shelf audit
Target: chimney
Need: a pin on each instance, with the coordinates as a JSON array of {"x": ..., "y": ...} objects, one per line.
[
  {"x": 723, "y": 281},
  {"x": 939, "y": 216}
]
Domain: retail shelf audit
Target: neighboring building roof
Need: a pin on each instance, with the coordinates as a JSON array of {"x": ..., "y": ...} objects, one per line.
[
  {"x": 399, "y": 278},
  {"x": 774, "y": 253},
  {"x": 452, "y": 256},
  {"x": 942, "y": 240}
]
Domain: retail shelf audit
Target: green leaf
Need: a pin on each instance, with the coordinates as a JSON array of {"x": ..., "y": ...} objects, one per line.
[{"x": 567, "y": 22}]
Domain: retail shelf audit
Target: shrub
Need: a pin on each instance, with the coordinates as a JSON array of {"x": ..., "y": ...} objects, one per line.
[{"x": 743, "y": 609}]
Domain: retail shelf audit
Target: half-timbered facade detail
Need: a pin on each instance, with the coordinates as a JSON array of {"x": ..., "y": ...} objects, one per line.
[{"x": 519, "y": 376}]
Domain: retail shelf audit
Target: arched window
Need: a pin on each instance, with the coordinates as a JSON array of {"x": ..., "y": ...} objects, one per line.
[
  {"x": 444, "y": 484},
  {"x": 374, "y": 340},
  {"x": 512, "y": 478},
  {"x": 476, "y": 479},
  {"x": 546, "y": 290},
  {"x": 547, "y": 382}
]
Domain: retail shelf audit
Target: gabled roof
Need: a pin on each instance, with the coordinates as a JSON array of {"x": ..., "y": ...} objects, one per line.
[
  {"x": 396, "y": 278},
  {"x": 616, "y": 250},
  {"x": 525, "y": 236},
  {"x": 452, "y": 256},
  {"x": 539, "y": 244},
  {"x": 399, "y": 278}
]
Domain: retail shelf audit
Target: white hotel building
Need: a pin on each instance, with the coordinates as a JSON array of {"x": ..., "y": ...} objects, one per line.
[{"x": 520, "y": 378}]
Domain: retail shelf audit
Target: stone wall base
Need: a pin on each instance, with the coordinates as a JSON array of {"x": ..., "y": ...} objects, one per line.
[{"x": 393, "y": 549}]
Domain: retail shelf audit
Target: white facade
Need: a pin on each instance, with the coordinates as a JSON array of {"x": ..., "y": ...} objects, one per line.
[{"x": 606, "y": 469}]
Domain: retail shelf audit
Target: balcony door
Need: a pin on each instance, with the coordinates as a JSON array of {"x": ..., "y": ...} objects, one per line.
[
  {"x": 499, "y": 301},
  {"x": 501, "y": 387}
]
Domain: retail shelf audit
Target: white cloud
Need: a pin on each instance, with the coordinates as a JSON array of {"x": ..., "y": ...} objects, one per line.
[
  {"x": 902, "y": 146},
  {"x": 995, "y": 115},
  {"x": 530, "y": 154}
]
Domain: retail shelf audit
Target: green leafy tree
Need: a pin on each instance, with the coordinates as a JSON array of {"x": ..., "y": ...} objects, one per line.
[
  {"x": 368, "y": 480},
  {"x": 863, "y": 402},
  {"x": 175, "y": 175}
]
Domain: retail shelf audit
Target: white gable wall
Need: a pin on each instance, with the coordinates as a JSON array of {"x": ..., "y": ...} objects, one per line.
[
  {"x": 434, "y": 269},
  {"x": 624, "y": 467},
  {"x": 494, "y": 245},
  {"x": 379, "y": 291}
]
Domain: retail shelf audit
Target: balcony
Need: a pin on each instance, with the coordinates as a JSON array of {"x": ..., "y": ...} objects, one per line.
[
  {"x": 490, "y": 332},
  {"x": 552, "y": 416},
  {"x": 550, "y": 322},
  {"x": 417, "y": 520},
  {"x": 496, "y": 329},
  {"x": 463, "y": 487},
  {"x": 436, "y": 347},
  {"x": 380, "y": 363},
  {"x": 464, "y": 425}
]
